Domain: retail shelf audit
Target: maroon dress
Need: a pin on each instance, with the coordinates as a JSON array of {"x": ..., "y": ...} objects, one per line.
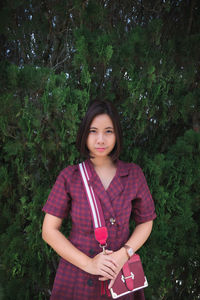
[{"x": 128, "y": 192}]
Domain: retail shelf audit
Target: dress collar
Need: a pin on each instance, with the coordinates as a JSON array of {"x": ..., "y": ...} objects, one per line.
[{"x": 122, "y": 168}]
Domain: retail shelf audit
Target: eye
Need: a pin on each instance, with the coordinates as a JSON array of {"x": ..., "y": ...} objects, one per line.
[
  {"x": 109, "y": 131},
  {"x": 92, "y": 131}
]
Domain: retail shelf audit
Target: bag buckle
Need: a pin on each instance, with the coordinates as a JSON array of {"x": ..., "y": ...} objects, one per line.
[
  {"x": 103, "y": 247},
  {"x": 123, "y": 278}
]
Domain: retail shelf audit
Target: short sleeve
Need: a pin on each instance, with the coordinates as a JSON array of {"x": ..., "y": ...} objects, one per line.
[
  {"x": 58, "y": 201},
  {"x": 143, "y": 205}
]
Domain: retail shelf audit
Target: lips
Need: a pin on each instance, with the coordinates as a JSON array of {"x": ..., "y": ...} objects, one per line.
[{"x": 100, "y": 149}]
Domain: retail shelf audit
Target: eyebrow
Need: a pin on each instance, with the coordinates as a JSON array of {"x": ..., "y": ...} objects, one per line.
[{"x": 109, "y": 127}]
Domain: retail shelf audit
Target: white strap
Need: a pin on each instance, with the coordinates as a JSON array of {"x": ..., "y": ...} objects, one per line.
[{"x": 91, "y": 196}]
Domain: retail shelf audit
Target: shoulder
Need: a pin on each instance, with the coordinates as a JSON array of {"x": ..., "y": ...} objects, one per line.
[
  {"x": 133, "y": 172},
  {"x": 129, "y": 168},
  {"x": 69, "y": 170},
  {"x": 68, "y": 173}
]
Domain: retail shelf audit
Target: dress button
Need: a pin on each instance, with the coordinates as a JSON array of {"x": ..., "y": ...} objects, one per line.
[
  {"x": 90, "y": 282},
  {"x": 91, "y": 252},
  {"x": 112, "y": 221}
]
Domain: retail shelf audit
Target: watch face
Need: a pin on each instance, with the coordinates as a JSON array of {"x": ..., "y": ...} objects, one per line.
[{"x": 130, "y": 252}]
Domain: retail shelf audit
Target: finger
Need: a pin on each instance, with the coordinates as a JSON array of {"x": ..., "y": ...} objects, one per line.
[
  {"x": 112, "y": 261},
  {"x": 103, "y": 278},
  {"x": 111, "y": 266},
  {"x": 108, "y": 272},
  {"x": 108, "y": 252},
  {"x": 111, "y": 283},
  {"x": 107, "y": 260}
]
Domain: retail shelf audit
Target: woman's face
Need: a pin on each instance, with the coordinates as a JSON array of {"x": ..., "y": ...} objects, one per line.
[{"x": 101, "y": 138}]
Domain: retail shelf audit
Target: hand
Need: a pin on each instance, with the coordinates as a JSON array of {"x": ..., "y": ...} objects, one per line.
[
  {"x": 120, "y": 257},
  {"x": 104, "y": 265}
]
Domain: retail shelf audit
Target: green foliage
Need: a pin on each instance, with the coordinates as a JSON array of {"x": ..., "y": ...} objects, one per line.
[
  {"x": 145, "y": 58},
  {"x": 37, "y": 132},
  {"x": 174, "y": 181}
]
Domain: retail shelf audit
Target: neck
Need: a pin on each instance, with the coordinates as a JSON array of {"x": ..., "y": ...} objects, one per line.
[{"x": 102, "y": 162}]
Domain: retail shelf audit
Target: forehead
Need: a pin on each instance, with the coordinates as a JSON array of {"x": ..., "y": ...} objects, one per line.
[{"x": 102, "y": 120}]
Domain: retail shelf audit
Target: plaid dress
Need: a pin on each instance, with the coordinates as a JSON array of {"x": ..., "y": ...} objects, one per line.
[{"x": 128, "y": 192}]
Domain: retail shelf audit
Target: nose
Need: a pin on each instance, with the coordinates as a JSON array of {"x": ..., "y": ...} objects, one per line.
[{"x": 100, "y": 138}]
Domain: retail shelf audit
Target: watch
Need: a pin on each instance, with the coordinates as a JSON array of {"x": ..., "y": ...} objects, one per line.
[{"x": 129, "y": 250}]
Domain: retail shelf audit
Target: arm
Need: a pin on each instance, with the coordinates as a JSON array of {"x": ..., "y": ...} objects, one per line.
[
  {"x": 140, "y": 235},
  {"x": 136, "y": 240},
  {"x": 103, "y": 265}
]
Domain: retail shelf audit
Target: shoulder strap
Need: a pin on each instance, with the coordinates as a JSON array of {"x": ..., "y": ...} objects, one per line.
[{"x": 100, "y": 230}]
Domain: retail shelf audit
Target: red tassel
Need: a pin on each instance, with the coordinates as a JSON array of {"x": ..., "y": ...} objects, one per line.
[
  {"x": 107, "y": 290},
  {"x": 102, "y": 289}
]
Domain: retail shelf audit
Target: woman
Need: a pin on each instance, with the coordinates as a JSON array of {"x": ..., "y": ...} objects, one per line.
[{"x": 121, "y": 188}]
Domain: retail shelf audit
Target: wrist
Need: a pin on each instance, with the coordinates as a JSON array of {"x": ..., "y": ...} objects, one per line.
[
  {"x": 129, "y": 250},
  {"x": 124, "y": 254},
  {"x": 86, "y": 264}
]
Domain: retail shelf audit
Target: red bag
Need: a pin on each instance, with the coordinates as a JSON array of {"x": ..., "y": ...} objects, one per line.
[{"x": 130, "y": 279}]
